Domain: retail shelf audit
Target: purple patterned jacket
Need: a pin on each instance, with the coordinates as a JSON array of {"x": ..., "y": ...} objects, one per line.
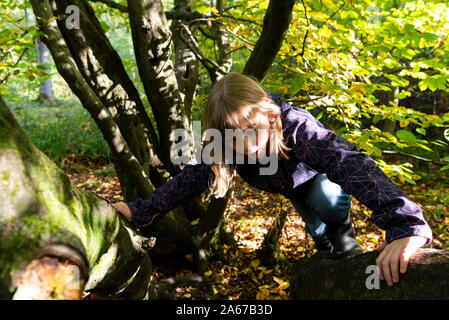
[{"x": 315, "y": 149}]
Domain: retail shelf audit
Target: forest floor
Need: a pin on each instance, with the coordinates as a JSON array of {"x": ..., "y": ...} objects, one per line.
[{"x": 249, "y": 214}]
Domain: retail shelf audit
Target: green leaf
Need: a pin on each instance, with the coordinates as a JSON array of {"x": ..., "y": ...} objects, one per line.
[
  {"x": 429, "y": 36},
  {"x": 297, "y": 83},
  {"x": 406, "y": 136},
  {"x": 446, "y": 134},
  {"x": 421, "y": 131},
  {"x": 403, "y": 94},
  {"x": 425, "y": 147},
  {"x": 409, "y": 180},
  {"x": 376, "y": 118},
  {"x": 203, "y": 9}
]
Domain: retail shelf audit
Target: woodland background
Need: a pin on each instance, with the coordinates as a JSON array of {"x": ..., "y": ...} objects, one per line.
[{"x": 375, "y": 72}]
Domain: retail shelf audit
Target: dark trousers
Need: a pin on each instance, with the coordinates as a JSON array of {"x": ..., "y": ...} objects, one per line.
[{"x": 322, "y": 201}]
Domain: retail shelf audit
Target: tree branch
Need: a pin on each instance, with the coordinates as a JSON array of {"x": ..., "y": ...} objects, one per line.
[
  {"x": 14, "y": 65},
  {"x": 414, "y": 156},
  {"x": 211, "y": 66},
  {"x": 276, "y": 22}
]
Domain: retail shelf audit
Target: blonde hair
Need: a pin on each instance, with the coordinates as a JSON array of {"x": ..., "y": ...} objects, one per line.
[{"x": 232, "y": 103}]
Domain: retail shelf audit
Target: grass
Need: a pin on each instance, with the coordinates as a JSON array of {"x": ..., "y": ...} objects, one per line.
[{"x": 61, "y": 130}]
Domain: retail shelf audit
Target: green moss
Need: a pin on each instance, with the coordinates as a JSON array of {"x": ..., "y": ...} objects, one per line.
[
  {"x": 6, "y": 175},
  {"x": 20, "y": 244}
]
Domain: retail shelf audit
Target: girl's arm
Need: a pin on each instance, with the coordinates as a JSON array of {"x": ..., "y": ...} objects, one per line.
[
  {"x": 358, "y": 174},
  {"x": 189, "y": 183}
]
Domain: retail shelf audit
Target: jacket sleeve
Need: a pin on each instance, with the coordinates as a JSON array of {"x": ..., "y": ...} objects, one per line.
[
  {"x": 189, "y": 183},
  {"x": 358, "y": 174}
]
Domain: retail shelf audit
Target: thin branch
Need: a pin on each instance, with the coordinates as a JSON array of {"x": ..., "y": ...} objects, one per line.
[
  {"x": 204, "y": 32},
  {"x": 413, "y": 156},
  {"x": 332, "y": 15},
  {"x": 236, "y": 49},
  {"x": 303, "y": 99},
  {"x": 171, "y": 15},
  {"x": 7, "y": 52},
  {"x": 232, "y": 7},
  {"x": 240, "y": 19},
  {"x": 192, "y": 44},
  {"x": 307, "y": 32},
  {"x": 14, "y": 44},
  {"x": 236, "y": 35},
  {"x": 14, "y": 65}
]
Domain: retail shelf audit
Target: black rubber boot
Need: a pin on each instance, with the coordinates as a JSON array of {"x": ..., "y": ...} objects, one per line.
[
  {"x": 341, "y": 236},
  {"x": 326, "y": 246}
]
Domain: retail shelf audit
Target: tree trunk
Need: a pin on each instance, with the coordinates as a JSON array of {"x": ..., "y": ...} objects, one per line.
[
  {"x": 49, "y": 227},
  {"x": 355, "y": 278},
  {"x": 186, "y": 65},
  {"x": 269, "y": 253},
  {"x": 43, "y": 58}
]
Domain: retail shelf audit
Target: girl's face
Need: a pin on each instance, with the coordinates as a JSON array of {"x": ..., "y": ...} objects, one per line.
[{"x": 253, "y": 143}]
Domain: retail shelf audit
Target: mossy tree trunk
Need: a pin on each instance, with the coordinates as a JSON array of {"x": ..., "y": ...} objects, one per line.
[
  {"x": 48, "y": 227},
  {"x": 356, "y": 278}
]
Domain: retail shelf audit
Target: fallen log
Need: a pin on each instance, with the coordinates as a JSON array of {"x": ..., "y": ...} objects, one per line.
[{"x": 356, "y": 278}]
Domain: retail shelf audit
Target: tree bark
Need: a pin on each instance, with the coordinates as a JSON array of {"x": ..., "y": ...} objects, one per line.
[
  {"x": 355, "y": 278},
  {"x": 269, "y": 254},
  {"x": 275, "y": 25},
  {"x": 152, "y": 46},
  {"x": 186, "y": 64},
  {"x": 224, "y": 42},
  {"x": 43, "y": 217}
]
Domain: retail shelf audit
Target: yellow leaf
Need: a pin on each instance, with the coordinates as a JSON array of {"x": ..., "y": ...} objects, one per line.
[
  {"x": 283, "y": 89},
  {"x": 262, "y": 294},
  {"x": 253, "y": 277},
  {"x": 195, "y": 222},
  {"x": 282, "y": 284},
  {"x": 403, "y": 123},
  {"x": 255, "y": 263},
  {"x": 263, "y": 4}
]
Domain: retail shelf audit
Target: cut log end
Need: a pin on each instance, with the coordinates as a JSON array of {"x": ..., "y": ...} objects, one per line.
[
  {"x": 49, "y": 278},
  {"x": 57, "y": 272}
]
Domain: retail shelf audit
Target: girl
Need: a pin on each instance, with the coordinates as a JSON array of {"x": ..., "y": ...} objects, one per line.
[{"x": 317, "y": 170}]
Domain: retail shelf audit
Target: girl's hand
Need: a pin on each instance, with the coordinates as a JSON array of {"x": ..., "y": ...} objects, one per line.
[
  {"x": 396, "y": 255},
  {"x": 123, "y": 209}
]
